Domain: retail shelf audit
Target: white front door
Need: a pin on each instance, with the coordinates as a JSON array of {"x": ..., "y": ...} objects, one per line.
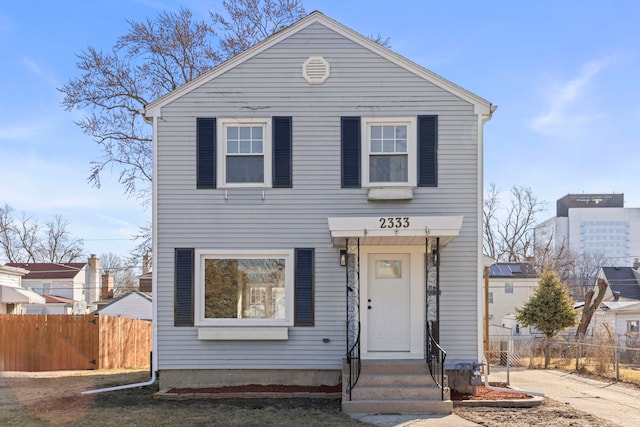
[{"x": 388, "y": 304}]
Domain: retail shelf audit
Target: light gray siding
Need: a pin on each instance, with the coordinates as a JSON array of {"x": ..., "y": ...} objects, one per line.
[{"x": 270, "y": 84}]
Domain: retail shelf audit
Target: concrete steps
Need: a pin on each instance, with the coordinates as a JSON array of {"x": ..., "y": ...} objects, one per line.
[{"x": 395, "y": 387}]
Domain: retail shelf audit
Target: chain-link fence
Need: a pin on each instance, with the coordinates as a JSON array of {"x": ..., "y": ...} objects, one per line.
[{"x": 613, "y": 357}]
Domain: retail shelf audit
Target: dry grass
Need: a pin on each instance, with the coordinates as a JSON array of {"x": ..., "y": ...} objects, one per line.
[{"x": 41, "y": 401}]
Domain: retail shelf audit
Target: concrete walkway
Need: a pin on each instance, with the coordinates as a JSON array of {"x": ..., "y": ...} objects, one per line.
[
  {"x": 451, "y": 420},
  {"x": 617, "y": 403}
]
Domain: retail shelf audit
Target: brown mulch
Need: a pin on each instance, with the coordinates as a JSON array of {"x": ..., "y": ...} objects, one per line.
[
  {"x": 483, "y": 393},
  {"x": 256, "y": 388}
]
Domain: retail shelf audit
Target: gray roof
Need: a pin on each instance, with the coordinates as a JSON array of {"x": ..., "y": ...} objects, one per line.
[
  {"x": 515, "y": 270},
  {"x": 624, "y": 280}
]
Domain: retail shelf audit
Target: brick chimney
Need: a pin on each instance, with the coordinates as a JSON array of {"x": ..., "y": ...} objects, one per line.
[
  {"x": 107, "y": 286},
  {"x": 146, "y": 264},
  {"x": 92, "y": 293}
]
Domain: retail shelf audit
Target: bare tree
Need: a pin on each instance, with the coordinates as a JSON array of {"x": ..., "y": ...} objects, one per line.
[
  {"x": 508, "y": 232},
  {"x": 590, "y": 307},
  {"x": 22, "y": 239},
  {"x": 124, "y": 274},
  {"x": 8, "y": 240},
  {"x": 57, "y": 244},
  {"x": 250, "y": 21},
  {"x": 155, "y": 57}
]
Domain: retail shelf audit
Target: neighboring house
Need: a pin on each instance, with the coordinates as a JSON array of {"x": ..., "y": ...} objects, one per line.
[
  {"x": 76, "y": 281},
  {"x": 53, "y": 305},
  {"x": 616, "y": 318},
  {"x": 510, "y": 286},
  {"x": 624, "y": 283},
  {"x": 593, "y": 224},
  {"x": 134, "y": 305},
  {"x": 14, "y": 298},
  {"x": 315, "y": 193}
]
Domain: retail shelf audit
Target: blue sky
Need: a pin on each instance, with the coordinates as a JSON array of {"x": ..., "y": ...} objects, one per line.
[{"x": 565, "y": 75}]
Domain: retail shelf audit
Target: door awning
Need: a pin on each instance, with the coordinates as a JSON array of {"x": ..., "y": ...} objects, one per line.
[
  {"x": 16, "y": 295},
  {"x": 394, "y": 230}
]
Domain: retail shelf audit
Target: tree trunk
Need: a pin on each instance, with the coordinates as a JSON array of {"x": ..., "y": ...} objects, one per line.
[
  {"x": 590, "y": 307},
  {"x": 547, "y": 352}
]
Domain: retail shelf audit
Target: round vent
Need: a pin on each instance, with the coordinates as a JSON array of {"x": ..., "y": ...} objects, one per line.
[{"x": 315, "y": 70}]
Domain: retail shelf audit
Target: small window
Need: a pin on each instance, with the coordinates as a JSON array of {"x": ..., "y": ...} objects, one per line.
[
  {"x": 508, "y": 288},
  {"x": 244, "y": 288},
  {"x": 389, "y": 152},
  {"x": 490, "y": 297},
  {"x": 632, "y": 326},
  {"x": 244, "y": 152}
]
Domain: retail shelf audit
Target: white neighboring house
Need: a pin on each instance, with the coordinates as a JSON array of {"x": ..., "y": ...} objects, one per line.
[
  {"x": 134, "y": 305},
  {"x": 619, "y": 312},
  {"x": 75, "y": 281},
  {"x": 14, "y": 298},
  {"x": 510, "y": 286}
]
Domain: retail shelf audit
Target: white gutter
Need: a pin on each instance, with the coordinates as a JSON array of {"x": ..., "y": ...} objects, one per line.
[{"x": 508, "y": 390}]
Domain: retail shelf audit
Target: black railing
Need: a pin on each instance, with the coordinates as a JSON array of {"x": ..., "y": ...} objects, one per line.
[
  {"x": 355, "y": 364},
  {"x": 434, "y": 354},
  {"x": 435, "y": 360},
  {"x": 352, "y": 255}
]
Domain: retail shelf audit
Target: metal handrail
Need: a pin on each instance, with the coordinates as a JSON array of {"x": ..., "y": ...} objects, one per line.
[
  {"x": 355, "y": 363},
  {"x": 435, "y": 360}
]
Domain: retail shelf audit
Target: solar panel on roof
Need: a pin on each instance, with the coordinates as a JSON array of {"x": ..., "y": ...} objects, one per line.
[{"x": 516, "y": 268}]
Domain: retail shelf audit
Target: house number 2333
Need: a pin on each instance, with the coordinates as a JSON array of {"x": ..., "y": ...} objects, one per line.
[{"x": 394, "y": 222}]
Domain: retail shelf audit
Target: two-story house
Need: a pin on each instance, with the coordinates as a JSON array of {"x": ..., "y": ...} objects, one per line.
[
  {"x": 69, "y": 286},
  {"x": 317, "y": 218},
  {"x": 14, "y": 298}
]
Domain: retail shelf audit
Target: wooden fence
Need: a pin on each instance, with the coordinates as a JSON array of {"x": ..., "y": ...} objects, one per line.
[{"x": 52, "y": 342}]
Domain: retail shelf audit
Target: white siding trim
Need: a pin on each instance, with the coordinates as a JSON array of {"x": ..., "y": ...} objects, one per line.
[
  {"x": 401, "y": 231},
  {"x": 243, "y": 334}
]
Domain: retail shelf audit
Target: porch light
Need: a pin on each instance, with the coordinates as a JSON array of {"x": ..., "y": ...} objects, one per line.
[
  {"x": 343, "y": 257},
  {"x": 436, "y": 257}
]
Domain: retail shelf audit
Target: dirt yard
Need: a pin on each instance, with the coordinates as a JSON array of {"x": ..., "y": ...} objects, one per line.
[{"x": 45, "y": 399}]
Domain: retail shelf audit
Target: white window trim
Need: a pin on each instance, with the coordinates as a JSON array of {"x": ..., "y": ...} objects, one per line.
[
  {"x": 412, "y": 149},
  {"x": 221, "y": 138},
  {"x": 201, "y": 255}
]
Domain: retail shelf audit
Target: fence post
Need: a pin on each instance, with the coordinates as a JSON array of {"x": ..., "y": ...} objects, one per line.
[
  {"x": 617, "y": 362},
  {"x": 577, "y": 354}
]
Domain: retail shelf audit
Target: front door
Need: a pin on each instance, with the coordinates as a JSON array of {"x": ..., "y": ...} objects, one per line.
[{"x": 388, "y": 303}]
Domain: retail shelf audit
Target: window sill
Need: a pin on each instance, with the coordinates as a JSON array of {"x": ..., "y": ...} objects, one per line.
[
  {"x": 244, "y": 333},
  {"x": 391, "y": 193}
]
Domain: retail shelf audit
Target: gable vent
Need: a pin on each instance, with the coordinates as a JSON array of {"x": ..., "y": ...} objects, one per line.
[{"x": 315, "y": 70}]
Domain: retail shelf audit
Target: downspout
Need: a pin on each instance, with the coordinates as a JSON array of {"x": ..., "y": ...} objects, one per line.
[
  {"x": 122, "y": 387},
  {"x": 154, "y": 273}
]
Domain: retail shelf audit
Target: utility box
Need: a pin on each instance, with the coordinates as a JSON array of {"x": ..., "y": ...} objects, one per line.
[{"x": 464, "y": 375}]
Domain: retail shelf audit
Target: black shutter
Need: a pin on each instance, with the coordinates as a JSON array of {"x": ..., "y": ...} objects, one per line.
[
  {"x": 304, "y": 266},
  {"x": 183, "y": 308},
  {"x": 282, "y": 149},
  {"x": 350, "y": 151},
  {"x": 206, "y": 152},
  {"x": 427, "y": 151}
]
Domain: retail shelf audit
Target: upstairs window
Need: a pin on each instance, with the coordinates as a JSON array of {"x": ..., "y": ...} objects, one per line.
[
  {"x": 389, "y": 152},
  {"x": 508, "y": 288},
  {"x": 244, "y": 152},
  {"x": 632, "y": 326}
]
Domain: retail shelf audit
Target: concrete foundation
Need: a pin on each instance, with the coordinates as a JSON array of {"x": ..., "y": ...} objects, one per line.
[{"x": 203, "y": 378}]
